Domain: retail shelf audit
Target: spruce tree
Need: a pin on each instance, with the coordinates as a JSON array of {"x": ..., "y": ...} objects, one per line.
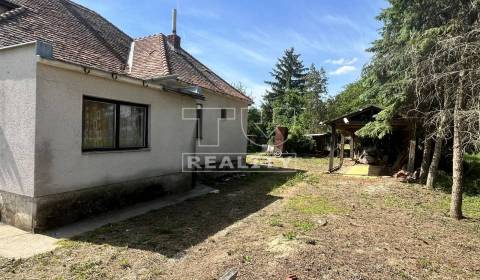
[{"x": 289, "y": 75}]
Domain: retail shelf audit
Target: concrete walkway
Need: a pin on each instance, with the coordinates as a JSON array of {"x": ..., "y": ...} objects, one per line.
[{"x": 15, "y": 243}]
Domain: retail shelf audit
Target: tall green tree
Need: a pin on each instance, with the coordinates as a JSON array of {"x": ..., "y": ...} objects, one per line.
[
  {"x": 425, "y": 62},
  {"x": 316, "y": 83},
  {"x": 289, "y": 73},
  {"x": 288, "y": 80}
]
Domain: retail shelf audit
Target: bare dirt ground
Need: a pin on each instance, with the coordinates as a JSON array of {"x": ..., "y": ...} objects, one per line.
[{"x": 267, "y": 226}]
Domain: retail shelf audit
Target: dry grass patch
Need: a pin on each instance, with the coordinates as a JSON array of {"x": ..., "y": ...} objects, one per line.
[{"x": 308, "y": 223}]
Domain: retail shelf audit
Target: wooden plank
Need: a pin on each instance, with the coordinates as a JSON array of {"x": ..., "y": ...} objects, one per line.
[
  {"x": 333, "y": 145},
  {"x": 352, "y": 146},
  {"x": 231, "y": 274},
  {"x": 342, "y": 149}
]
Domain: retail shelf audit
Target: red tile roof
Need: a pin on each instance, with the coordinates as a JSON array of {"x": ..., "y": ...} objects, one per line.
[
  {"x": 154, "y": 56},
  {"x": 79, "y": 35}
]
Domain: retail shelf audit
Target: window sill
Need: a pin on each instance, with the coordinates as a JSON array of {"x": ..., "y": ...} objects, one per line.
[{"x": 116, "y": 151}]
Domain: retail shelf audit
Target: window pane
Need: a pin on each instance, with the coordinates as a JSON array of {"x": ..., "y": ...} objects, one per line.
[
  {"x": 132, "y": 126},
  {"x": 99, "y": 125}
]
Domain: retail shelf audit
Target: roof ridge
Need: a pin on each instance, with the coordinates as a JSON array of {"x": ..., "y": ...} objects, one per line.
[
  {"x": 11, "y": 13},
  {"x": 13, "y": 9},
  {"x": 165, "y": 51},
  {"x": 92, "y": 30},
  {"x": 99, "y": 15},
  {"x": 149, "y": 36}
]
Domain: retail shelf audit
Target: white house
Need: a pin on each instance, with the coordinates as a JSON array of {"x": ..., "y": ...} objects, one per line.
[{"x": 91, "y": 119}]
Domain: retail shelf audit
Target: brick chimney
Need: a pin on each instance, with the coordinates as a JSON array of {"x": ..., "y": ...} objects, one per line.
[{"x": 173, "y": 38}]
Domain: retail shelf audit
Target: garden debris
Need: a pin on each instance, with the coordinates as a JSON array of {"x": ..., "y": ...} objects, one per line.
[
  {"x": 322, "y": 222},
  {"x": 231, "y": 274}
]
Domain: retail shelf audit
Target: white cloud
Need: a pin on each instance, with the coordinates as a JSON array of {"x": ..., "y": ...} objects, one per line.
[
  {"x": 234, "y": 48},
  {"x": 337, "y": 20},
  {"x": 342, "y": 70},
  {"x": 342, "y": 61},
  {"x": 193, "y": 49}
]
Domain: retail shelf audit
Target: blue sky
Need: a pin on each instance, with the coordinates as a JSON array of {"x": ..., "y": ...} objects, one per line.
[{"x": 242, "y": 40}]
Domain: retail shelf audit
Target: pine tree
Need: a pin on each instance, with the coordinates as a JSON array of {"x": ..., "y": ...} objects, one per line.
[{"x": 289, "y": 74}]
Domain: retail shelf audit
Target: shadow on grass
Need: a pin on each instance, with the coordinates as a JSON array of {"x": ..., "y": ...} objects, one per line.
[{"x": 170, "y": 231}]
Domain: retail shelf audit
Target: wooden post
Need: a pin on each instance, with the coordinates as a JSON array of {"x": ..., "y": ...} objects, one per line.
[
  {"x": 342, "y": 149},
  {"x": 352, "y": 146},
  {"x": 412, "y": 149},
  {"x": 333, "y": 144}
]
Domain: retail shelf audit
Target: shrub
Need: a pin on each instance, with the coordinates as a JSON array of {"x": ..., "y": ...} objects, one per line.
[{"x": 299, "y": 143}]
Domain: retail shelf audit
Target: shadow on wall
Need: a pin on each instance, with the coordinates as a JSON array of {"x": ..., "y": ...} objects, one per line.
[
  {"x": 172, "y": 230},
  {"x": 9, "y": 174}
]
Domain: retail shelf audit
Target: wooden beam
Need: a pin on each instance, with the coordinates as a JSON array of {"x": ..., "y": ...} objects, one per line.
[
  {"x": 412, "y": 149},
  {"x": 333, "y": 146},
  {"x": 342, "y": 149},
  {"x": 352, "y": 146}
]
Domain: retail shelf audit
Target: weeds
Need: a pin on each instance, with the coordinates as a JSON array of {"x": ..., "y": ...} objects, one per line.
[
  {"x": 299, "y": 177},
  {"x": 276, "y": 221},
  {"x": 124, "y": 263},
  {"x": 305, "y": 225},
  {"x": 247, "y": 259},
  {"x": 290, "y": 235},
  {"x": 86, "y": 270},
  {"x": 312, "y": 205},
  {"x": 424, "y": 263},
  {"x": 69, "y": 244}
]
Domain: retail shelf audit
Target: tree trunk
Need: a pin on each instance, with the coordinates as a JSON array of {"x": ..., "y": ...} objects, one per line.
[
  {"x": 437, "y": 150},
  {"x": 432, "y": 171},
  {"x": 457, "y": 191},
  {"x": 427, "y": 152}
]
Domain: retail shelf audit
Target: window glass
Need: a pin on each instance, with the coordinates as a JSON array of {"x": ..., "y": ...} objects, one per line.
[
  {"x": 132, "y": 126},
  {"x": 98, "y": 125}
]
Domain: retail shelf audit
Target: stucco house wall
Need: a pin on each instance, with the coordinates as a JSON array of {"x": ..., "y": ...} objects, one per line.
[
  {"x": 64, "y": 167},
  {"x": 17, "y": 133},
  {"x": 45, "y": 175},
  {"x": 17, "y": 119},
  {"x": 223, "y": 136},
  {"x": 65, "y": 175}
]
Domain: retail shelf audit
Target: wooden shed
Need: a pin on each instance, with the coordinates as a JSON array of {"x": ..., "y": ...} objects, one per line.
[{"x": 401, "y": 143}]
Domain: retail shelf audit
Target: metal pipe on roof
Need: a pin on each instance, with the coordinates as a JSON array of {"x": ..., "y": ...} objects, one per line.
[{"x": 174, "y": 21}]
